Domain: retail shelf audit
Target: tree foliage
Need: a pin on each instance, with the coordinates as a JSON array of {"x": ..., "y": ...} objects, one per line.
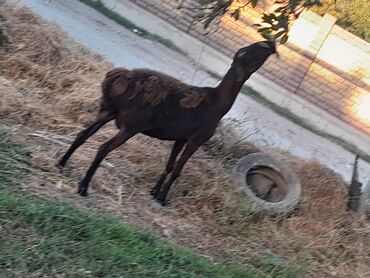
[
  {"x": 274, "y": 25},
  {"x": 353, "y": 15}
]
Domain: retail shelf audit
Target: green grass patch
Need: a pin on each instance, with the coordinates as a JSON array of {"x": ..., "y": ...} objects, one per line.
[
  {"x": 63, "y": 240},
  {"x": 44, "y": 238},
  {"x": 99, "y": 6}
]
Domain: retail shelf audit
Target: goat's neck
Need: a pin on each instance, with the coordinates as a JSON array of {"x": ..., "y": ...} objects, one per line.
[{"x": 229, "y": 88}]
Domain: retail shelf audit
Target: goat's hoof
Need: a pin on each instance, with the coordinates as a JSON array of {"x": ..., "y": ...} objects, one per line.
[
  {"x": 82, "y": 191},
  {"x": 161, "y": 201},
  {"x": 60, "y": 165}
]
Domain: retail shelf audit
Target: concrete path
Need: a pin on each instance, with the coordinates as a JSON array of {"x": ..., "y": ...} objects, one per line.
[{"x": 124, "y": 48}]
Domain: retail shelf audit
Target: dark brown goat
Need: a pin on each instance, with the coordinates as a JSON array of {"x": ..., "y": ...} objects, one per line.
[{"x": 152, "y": 103}]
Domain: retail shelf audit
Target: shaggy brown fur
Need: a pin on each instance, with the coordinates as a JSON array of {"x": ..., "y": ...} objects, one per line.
[
  {"x": 155, "y": 104},
  {"x": 154, "y": 87}
]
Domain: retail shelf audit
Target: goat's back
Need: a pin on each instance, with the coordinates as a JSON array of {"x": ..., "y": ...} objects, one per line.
[{"x": 150, "y": 87}]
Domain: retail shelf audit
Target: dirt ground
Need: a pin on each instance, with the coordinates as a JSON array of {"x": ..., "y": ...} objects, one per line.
[{"x": 49, "y": 89}]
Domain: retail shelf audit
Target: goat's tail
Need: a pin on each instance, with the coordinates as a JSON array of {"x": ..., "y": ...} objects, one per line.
[{"x": 111, "y": 89}]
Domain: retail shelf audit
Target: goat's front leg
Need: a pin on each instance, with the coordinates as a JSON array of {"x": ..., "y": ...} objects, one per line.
[
  {"x": 188, "y": 152},
  {"x": 121, "y": 137},
  {"x": 177, "y": 147}
]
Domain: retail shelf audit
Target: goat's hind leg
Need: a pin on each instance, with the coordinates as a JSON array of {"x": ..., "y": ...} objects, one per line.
[
  {"x": 177, "y": 147},
  {"x": 188, "y": 152},
  {"x": 84, "y": 135},
  {"x": 121, "y": 137}
]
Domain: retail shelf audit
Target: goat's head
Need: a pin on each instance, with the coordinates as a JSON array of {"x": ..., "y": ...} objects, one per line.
[{"x": 249, "y": 59}]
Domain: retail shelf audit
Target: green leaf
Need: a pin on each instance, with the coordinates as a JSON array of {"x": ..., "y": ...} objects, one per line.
[
  {"x": 284, "y": 39},
  {"x": 236, "y": 14},
  {"x": 268, "y": 18},
  {"x": 263, "y": 29},
  {"x": 254, "y": 3},
  {"x": 208, "y": 21},
  {"x": 266, "y": 35},
  {"x": 276, "y": 27},
  {"x": 280, "y": 9},
  {"x": 279, "y": 34},
  {"x": 310, "y": 3},
  {"x": 293, "y": 4},
  {"x": 199, "y": 15}
]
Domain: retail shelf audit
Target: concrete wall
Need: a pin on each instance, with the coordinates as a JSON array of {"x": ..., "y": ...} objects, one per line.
[{"x": 338, "y": 77}]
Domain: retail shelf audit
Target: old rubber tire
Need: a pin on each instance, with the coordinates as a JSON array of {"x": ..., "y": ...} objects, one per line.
[{"x": 293, "y": 186}]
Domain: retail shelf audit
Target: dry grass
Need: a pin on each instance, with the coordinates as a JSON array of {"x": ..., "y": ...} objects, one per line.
[
  {"x": 52, "y": 73},
  {"x": 49, "y": 89}
]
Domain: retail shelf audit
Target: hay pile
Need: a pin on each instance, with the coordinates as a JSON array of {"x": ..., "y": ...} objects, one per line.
[
  {"x": 52, "y": 73},
  {"x": 49, "y": 88}
]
